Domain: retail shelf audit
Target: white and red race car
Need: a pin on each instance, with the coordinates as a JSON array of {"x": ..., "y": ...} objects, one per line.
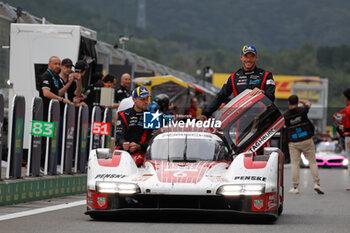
[{"x": 196, "y": 168}]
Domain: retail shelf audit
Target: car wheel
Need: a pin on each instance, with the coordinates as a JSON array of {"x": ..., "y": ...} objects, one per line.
[{"x": 280, "y": 209}]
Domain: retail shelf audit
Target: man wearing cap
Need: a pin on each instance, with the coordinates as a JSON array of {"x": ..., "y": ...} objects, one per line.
[
  {"x": 248, "y": 77},
  {"x": 130, "y": 134},
  {"x": 80, "y": 68},
  {"x": 51, "y": 84},
  {"x": 72, "y": 84}
]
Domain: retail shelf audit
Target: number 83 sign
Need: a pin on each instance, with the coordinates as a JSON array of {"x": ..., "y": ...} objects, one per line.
[
  {"x": 100, "y": 128},
  {"x": 43, "y": 128}
]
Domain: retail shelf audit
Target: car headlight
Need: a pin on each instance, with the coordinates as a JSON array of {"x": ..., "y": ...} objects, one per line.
[
  {"x": 345, "y": 162},
  {"x": 236, "y": 190},
  {"x": 121, "y": 188},
  {"x": 305, "y": 161}
]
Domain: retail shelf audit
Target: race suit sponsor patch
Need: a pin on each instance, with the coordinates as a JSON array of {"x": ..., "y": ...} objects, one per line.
[{"x": 270, "y": 82}]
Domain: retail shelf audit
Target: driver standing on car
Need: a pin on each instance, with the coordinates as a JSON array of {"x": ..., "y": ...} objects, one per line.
[
  {"x": 130, "y": 134},
  {"x": 248, "y": 77}
]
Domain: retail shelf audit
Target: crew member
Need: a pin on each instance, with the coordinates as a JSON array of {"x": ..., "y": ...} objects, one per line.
[
  {"x": 130, "y": 134},
  {"x": 123, "y": 91},
  {"x": 51, "y": 84},
  {"x": 248, "y": 77}
]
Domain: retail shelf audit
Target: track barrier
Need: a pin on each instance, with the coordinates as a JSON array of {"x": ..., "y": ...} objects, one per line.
[{"x": 57, "y": 152}]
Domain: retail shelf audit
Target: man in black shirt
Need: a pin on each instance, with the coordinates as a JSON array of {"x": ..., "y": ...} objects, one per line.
[
  {"x": 248, "y": 77},
  {"x": 300, "y": 131},
  {"x": 123, "y": 91},
  {"x": 51, "y": 84},
  {"x": 72, "y": 84},
  {"x": 130, "y": 134}
]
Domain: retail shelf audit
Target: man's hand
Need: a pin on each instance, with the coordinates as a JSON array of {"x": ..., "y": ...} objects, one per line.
[
  {"x": 256, "y": 91},
  {"x": 66, "y": 101},
  {"x": 71, "y": 77},
  {"x": 305, "y": 102},
  {"x": 126, "y": 145},
  {"x": 202, "y": 118},
  {"x": 134, "y": 147}
]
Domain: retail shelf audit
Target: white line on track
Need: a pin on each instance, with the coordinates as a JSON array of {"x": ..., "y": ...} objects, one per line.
[{"x": 42, "y": 210}]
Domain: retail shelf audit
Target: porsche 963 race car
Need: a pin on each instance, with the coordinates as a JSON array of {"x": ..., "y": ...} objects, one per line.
[{"x": 225, "y": 169}]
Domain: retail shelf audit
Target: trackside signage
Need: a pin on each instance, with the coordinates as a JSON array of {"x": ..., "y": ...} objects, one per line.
[
  {"x": 42, "y": 128},
  {"x": 101, "y": 128},
  {"x": 157, "y": 120}
]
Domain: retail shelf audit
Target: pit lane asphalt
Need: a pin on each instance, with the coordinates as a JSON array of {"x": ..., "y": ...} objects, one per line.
[{"x": 306, "y": 212}]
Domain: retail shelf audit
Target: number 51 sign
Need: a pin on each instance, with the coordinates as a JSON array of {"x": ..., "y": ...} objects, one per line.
[
  {"x": 100, "y": 128},
  {"x": 43, "y": 128}
]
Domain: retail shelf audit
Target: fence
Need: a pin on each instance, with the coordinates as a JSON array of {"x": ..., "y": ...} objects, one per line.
[{"x": 58, "y": 149}]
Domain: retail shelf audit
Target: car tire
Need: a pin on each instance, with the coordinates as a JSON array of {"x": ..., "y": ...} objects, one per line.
[{"x": 280, "y": 209}]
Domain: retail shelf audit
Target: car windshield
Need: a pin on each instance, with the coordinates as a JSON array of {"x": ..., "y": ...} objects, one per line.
[
  {"x": 327, "y": 147},
  {"x": 187, "y": 146}
]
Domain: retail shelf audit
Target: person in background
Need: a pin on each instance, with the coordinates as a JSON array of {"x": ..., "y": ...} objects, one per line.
[
  {"x": 51, "y": 84},
  {"x": 248, "y": 77},
  {"x": 72, "y": 84},
  {"x": 346, "y": 126},
  {"x": 300, "y": 132},
  {"x": 194, "y": 110},
  {"x": 123, "y": 91},
  {"x": 90, "y": 93},
  {"x": 80, "y": 69}
]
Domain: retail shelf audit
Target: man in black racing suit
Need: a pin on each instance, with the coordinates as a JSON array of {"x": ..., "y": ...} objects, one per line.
[
  {"x": 248, "y": 77},
  {"x": 130, "y": 134}
]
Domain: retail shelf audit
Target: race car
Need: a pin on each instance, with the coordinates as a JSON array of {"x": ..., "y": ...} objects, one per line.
[
  {"x": 328, "y": 154},
  {"x": 223, "y": 167}
]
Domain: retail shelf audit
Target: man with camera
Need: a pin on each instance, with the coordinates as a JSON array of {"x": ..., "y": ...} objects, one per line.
[{"x": 72, "y": 81}]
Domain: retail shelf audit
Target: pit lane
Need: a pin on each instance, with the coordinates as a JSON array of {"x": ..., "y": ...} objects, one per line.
[{"x": 306, "y": 212}]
